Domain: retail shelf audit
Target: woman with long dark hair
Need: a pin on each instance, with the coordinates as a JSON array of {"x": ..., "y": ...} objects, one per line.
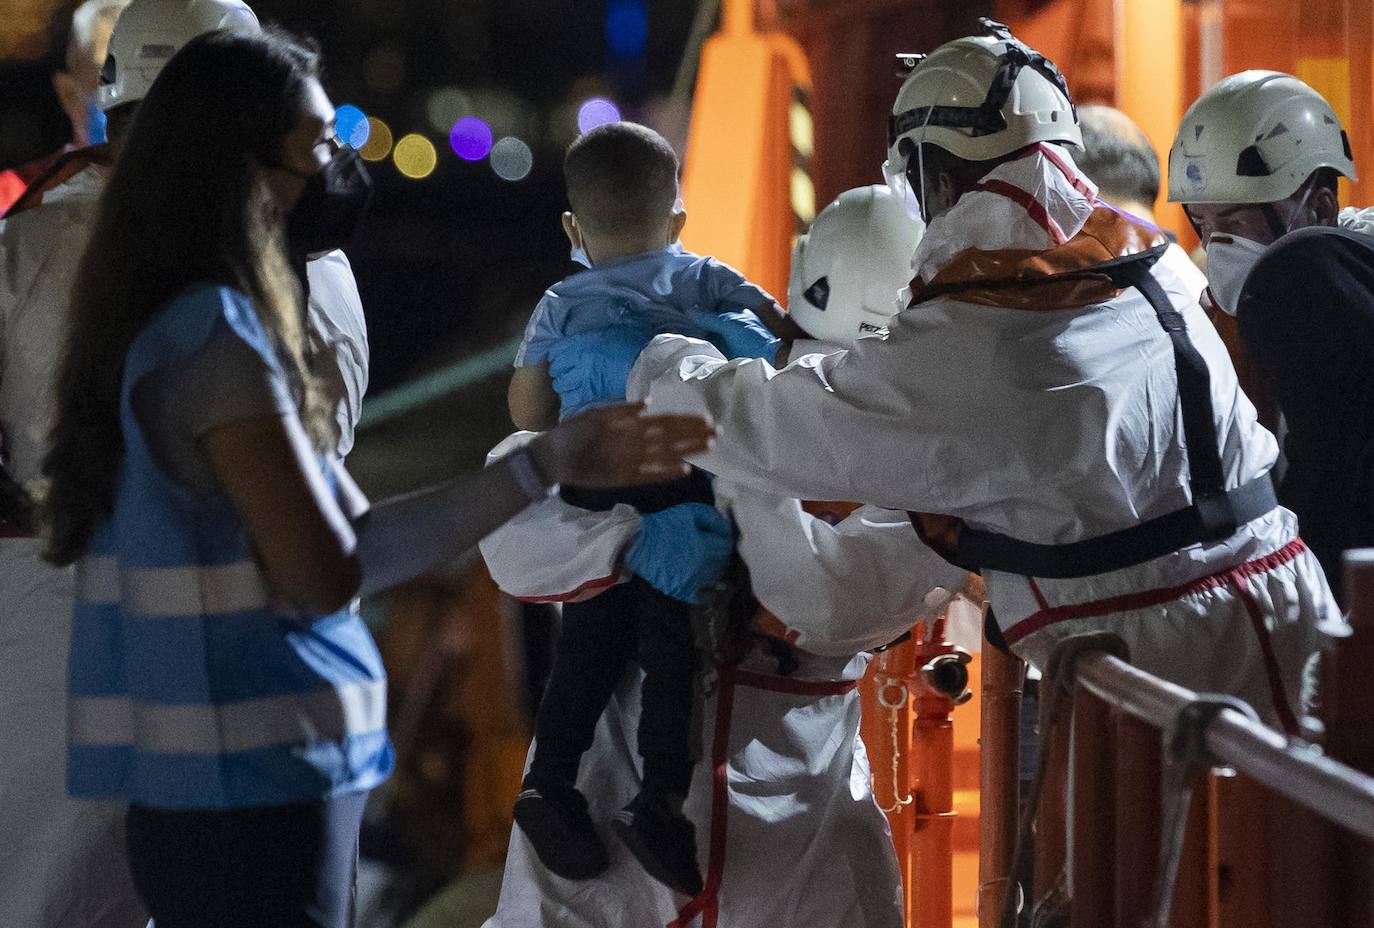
[{"x": 220, "y": 681}]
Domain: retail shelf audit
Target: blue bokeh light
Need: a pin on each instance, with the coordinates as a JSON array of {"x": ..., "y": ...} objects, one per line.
[
  {"x": 627, "y": 28},
  {"x": 351, "y": 125}
]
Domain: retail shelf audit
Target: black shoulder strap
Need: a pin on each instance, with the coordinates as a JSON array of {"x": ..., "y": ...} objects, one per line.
[
  {"x": 1205, "y": 477},
  {"x": 1214, "y": 513}
]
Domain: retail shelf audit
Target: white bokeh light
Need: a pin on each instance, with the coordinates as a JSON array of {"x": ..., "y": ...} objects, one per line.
[{"x": 511, "y": 159}]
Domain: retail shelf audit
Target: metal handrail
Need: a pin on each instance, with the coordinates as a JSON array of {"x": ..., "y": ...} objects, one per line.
[
  {"x": 1294, "y": 769},
  {"x": 436, "y": 385}
]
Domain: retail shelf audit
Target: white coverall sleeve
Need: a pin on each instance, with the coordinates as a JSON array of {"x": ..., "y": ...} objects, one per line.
[
  {"x": 339, "y": 328},
  {"x": 848, "y": 587},
  {"x": 554, "y": 552},
  {"x": 874, "y": 424}
]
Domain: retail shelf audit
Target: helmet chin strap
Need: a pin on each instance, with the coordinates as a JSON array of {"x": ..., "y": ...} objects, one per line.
[
  {"x": 1271, "y": 215},
  {"x": 921, "y": 166}
]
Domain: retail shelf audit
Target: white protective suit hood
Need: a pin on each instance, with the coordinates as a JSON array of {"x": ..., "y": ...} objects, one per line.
[
  {"x": 1357, "y": 220},
  {"x": 1036, "y": 202}
]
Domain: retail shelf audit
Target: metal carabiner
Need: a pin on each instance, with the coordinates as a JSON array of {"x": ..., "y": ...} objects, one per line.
[{"x": 1188, "y": 754}]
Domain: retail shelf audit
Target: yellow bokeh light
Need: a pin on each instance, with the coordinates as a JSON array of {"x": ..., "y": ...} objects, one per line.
[
  {"x": 415, "y": 156},
  {"x": 801, "y": 129},
  {"x": 803, "y": 195},
  {"x": 378, "y": 140}
]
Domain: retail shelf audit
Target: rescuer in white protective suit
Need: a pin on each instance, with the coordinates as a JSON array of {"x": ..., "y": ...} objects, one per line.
[
  {"x": 62, "y": 862},
  {"x": 788, "y": 830},
  {"x": 1053, "y": 403}
]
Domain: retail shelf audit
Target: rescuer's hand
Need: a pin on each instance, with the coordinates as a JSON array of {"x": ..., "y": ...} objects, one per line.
[{"x": 615, "y": 446}]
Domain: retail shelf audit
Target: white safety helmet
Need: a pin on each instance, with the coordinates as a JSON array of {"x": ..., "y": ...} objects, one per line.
[
  {"x": 150, "y": 32},
  {"x": 849, "y": 267},
  {"x": 978, "y": 98},
  {"x": 1255, "y": 138}
]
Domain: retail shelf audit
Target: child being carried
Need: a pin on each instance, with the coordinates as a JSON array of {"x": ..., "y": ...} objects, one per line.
[{"x": 624, "y": 225}]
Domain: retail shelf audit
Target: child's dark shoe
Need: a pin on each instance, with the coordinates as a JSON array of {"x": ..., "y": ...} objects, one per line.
[
  {"x": 555, "y": 820},
  {"x": 662, "y": 840}
]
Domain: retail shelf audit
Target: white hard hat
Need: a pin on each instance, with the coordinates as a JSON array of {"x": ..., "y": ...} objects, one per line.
[
  {"x": 150, "y": 32},
  {"x": 1255, "y": 138},
  {"x": 849, "y": 267},
  {"x": 980, "y": 97}
]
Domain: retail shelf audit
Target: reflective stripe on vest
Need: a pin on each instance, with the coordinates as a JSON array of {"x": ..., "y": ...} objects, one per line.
[{"x": 188, "y": 688}]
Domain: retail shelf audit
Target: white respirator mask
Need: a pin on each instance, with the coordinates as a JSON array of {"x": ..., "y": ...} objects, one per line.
[
  {"x": 1230, "y": 259},
  {"x": 1233, "y": 257}
]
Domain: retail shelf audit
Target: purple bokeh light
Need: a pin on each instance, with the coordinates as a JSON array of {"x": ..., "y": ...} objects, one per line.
[
  {"x": 470, "y": 138},
  {"x": 596, "y": 112}
]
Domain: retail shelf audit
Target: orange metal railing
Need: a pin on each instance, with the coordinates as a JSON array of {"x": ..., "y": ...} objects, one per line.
[
  {"x": 938, "y": 684},
  {"x": 998, "y": 780},
  {"x": 1188, "y": 812},
  {"x": 918, "y": 769}
]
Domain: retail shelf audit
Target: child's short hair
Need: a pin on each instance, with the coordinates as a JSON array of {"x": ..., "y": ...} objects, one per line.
[{"x": 621, "y": 177}]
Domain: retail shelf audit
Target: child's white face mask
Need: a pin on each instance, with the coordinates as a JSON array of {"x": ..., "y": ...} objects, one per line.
[{"x": 1230, "y": 259}]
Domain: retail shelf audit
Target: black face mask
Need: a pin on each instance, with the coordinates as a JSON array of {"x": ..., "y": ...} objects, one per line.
[{"x": 332, "y": 207}]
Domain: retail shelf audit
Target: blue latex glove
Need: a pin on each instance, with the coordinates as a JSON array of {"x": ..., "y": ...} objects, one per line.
[
  {"x": 682, "y": 550},
  {"x": 739, "y": 334},
  {"x": 592, "y": 368}
]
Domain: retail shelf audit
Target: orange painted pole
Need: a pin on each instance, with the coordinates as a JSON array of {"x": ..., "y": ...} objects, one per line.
[
  {"x": 1051, "y": 841},
  {"x": 740, "y": 166},
  {"x": 932, "y": 856},
  {"x": 737, "y": 17},
  {"x": 1191, "y": 908},
  {"x": 1240, "y": 887},
  {"x": 1306, "y": 873},
  {"x": 939, "y": 684},
  {"x": 999, "y": 766},
  {"x": 1092, "y": 849},
  {"x": 1347, "y": 701},
  {"x": 1348, "y": 713},
  {"x": 884, "y": 695},
  {"x": 1149, "y": 82},
  {"x": 1272, "y": 861},
  {"x": 1360, "y": 33},
  {"x": 1139, "y": 757}
]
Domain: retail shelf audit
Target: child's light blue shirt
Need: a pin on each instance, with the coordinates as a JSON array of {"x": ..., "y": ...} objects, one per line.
[{"x": 657, "y": 291}]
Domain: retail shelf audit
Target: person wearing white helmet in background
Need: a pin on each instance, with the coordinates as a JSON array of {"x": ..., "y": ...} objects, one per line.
[
  {"x": 75, "y": 84},
  {"x": 63, "y": 863},
  {"x": 1255, "y": 164},
  {"x": 1053, "y": 405},
  {"x": 1119, "y": 158},
  {"x": 832, "y": 581}
]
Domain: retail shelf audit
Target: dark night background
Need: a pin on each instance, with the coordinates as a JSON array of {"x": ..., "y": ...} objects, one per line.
[
  {"x": 453, "y": 263},
  {"x": 449, "y": 267}
]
